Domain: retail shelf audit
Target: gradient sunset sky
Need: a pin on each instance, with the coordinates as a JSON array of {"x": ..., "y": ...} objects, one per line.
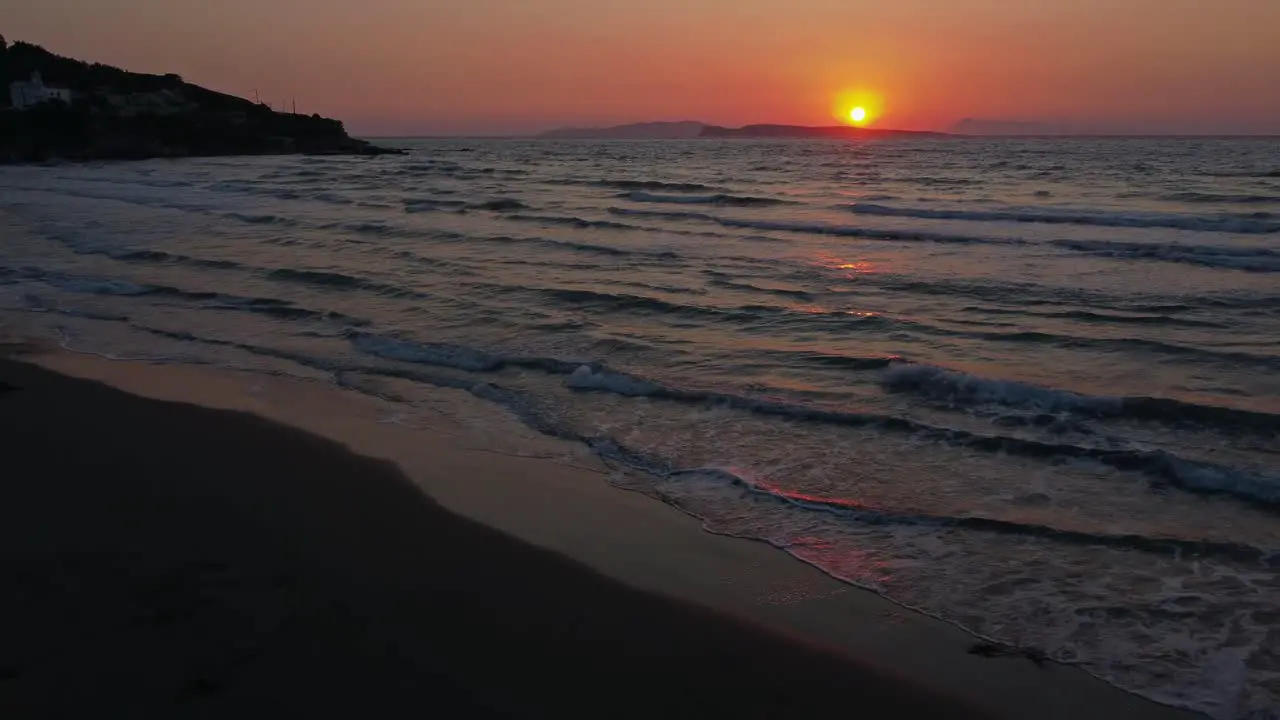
[{"x": 510, "y": 66}]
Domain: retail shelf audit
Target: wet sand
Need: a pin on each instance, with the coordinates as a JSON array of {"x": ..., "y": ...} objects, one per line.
[{"x": 170, "y": 560}]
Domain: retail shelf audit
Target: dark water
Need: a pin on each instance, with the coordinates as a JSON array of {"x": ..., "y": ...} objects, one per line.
[{"x": 1031, "y": 387}]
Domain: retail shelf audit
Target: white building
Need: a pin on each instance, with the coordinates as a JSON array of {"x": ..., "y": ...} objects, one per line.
[{"x": 33, "y": 92}]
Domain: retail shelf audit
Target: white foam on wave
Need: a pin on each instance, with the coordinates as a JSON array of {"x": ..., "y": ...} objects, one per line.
[
  {"x": 1208, "y": 478},
  {"x": 588, "y": 378},
  {"x": 426, "y": 354},
  {"x": 1160, "y": 619},
  {"x": 964, "y": 389}
]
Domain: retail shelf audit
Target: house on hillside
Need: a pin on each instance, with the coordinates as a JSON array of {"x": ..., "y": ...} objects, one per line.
[{"x": 27, "y": 93}]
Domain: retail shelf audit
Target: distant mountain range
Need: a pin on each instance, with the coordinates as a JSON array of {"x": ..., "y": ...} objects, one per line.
[{"x": 691, "y": 129}]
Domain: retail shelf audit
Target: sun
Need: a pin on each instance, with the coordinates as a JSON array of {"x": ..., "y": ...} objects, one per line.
[{"x": 858, "y": 107}]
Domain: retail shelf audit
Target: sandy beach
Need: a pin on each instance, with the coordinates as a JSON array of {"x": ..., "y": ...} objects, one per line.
[{"x": 188, "y": 541}]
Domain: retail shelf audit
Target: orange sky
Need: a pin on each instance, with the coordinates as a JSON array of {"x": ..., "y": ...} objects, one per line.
[{"x": 501, "y": 66}]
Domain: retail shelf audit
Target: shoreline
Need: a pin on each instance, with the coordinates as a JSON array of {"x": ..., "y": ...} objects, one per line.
[
  {"x": 555, "y": 496},
  {"x": 186, "y": 561}
]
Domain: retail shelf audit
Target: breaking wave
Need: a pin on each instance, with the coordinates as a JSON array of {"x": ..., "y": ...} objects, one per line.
[
  {"x": 1166, "y": 468},
  {"x": 1219, "y": 223},
  {"x": 860, "y": 513},
  {"x": 576, "y": 222},
  {"x": 1095, "y": 316},
  {"x": 341, "y": 281},
  {"x": 819, "y": 228},
  {"x": 452, "y": 356},
  {"x": 159, "y": 256},
  {"x": 501, "y": 205},
  {"x": 718, "y": 199},
  {"x": 681, "y": 187},
  {"x": 1251, "y": 259},
  {"x": 963, "y": 389},
  {"x": 260, "y": 219},
  {"x": 784, "y": 292},
  {"x": 663, "y": 255},
  {"x": 205, "y": 300}
]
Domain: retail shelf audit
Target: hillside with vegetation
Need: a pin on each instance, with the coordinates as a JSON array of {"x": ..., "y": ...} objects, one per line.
[{"x": 117, "y": 114}]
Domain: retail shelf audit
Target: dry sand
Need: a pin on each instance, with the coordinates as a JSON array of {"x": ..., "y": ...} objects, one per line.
[{"x": 259, "y": 540}]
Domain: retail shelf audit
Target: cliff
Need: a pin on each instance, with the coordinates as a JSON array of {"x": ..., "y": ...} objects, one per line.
[{"x": 116, "y": 114}]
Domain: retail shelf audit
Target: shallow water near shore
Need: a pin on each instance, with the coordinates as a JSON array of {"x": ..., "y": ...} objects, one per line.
[{"x": 1026, "y": 386}]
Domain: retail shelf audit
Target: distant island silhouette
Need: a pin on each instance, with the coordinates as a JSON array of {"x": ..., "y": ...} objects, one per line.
[
  {"x": 802, "y": 131},
  {"x": 973, "y": 128},
  {"x": 59, "y": 108},
  {"x": 689, "y": 129}
]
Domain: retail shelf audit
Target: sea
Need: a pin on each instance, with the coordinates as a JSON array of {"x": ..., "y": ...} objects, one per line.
[{"x": 1028, "y": 386}]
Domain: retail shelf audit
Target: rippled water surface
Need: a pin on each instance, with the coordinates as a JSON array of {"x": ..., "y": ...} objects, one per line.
[{"x": 1031, "y": 387}]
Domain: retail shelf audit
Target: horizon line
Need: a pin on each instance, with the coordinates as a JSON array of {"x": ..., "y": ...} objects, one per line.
[{"x": 925, "y": 135}]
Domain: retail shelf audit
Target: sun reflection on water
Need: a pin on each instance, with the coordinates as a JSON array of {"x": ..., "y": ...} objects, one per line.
[
  {"x": 861, "y": 566},
  {"x": 851, "y": 268},
  {"x": 820, "y": 310}
]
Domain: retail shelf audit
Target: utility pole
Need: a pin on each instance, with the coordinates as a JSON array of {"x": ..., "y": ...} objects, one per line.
[
  {"x": 295, "y": 104},
  {"x": 256, "y": 101}
]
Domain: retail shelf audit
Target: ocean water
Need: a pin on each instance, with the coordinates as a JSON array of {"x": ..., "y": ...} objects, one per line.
[{"x": 1031, "y": 387}]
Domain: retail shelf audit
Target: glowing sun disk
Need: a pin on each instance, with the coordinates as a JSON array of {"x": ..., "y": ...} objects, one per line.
[{"x": 857, "y": 107}]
